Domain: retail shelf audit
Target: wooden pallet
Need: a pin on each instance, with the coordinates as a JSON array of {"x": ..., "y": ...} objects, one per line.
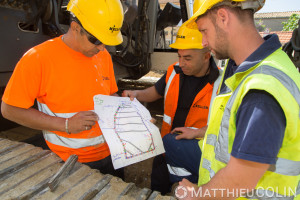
[
  {"x": 25, "y": 171},
  {"x": 19, "y": 133}
]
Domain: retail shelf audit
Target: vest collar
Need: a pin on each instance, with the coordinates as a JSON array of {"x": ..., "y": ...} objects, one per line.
[{"x": 270, "y": 45}]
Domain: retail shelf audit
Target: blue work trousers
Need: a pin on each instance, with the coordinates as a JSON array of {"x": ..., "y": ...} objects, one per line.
[{"x": 182, "y": 158}]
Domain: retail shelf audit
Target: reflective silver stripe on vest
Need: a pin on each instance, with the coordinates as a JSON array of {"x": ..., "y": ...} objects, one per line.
[
  {"x": 298, "y": 189},
  {"x": 269, "y": 194},
  {"x": 206, "y": 164},
  {"x": 178, "y": 171},
  {"x": 221, "y": 149},
  {"x": 167, "y": 119},
  {"x": 74, "y": 143},
  {"x": 211, "y": 139},
  {"x": 286, "y": 167},
  {"x": 168, "y": 84},
  {"x": 214, "y": 92}
]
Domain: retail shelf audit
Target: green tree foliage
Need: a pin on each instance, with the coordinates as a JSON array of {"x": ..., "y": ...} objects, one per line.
[
  {"x": 260, "y": 26},
  {"x": 292, "y": 23}
]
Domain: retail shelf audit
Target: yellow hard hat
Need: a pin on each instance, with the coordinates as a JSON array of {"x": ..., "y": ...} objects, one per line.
[
  {"x": 204, "y": 5},
  {"x": 102, "y": 18},
  {"x": 187, "y": 38},
  {"x": 196, "y": 5}
]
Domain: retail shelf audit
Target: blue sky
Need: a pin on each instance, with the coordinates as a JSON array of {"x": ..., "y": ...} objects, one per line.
[{"x": 280, "y": 6}]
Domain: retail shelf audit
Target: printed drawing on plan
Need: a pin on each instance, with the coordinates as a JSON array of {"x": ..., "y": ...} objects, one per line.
[{"x": 132, "y": 131}]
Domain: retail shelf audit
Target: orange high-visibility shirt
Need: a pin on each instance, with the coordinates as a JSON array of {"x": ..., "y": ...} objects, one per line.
[{"x": 64, "y": 81}]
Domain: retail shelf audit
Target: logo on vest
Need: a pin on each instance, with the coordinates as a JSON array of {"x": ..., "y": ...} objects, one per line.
[
  {"x": 199, "y": 106},
  {"x": 222, "y": 108}
]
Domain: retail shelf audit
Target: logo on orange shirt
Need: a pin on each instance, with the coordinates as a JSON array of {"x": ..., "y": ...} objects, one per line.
[
  {"x": 105, "y": 78},
  {"x": 200, "y": 106}
]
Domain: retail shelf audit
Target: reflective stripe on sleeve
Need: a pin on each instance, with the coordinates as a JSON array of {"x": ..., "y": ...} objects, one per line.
[
  {"x": 73, "y": 143},
  {"x": 167, "y": 119},
  {"x": 178, "y": 171}
]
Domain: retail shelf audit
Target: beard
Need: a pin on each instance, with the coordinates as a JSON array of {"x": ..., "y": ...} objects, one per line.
[{"x": 221, "y": 51}]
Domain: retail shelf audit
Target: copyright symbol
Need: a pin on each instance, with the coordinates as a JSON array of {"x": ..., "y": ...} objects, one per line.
[{"x": 180, "y": 192}]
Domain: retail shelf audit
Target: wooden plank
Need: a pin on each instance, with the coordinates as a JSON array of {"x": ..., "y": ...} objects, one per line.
[
  {"x": 27, "y": 159},
  {"x": 25, "y": 171},
  {"x": 10, "y": 148},
  {"x": 63, "y": 172},
  {"x": 143, "y": 194},
  {"x": 25, "y": 130},
  {"x": 19, "y": 133},
  {"x": 67, "y": 184},
  {"x": 23, "y": 175},
  {"x": 133, "y": 192},
  {"x": 100, "y": 194},
  {"x": 13, "y": 135},
  {"x": 154, "y": 195},
  {"x": 15, "y": 154},
  {"x": 116, "y": 187},
  {"x": 5, "y": 143},
  {"x": 36, "y": 182},
  {"x": 83, "y": 186},
  {"x": 157, "y": 196},
  {"x": 92, "y": 192}
]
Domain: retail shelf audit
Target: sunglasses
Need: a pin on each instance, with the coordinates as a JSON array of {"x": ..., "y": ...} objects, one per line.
[{"x": 92, "y": 39}]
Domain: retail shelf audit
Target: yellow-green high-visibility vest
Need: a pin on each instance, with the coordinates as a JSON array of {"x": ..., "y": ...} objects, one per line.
[{"x": 276, "y": 75}]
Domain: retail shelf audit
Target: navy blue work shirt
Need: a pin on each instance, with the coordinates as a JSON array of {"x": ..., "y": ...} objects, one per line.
[{"x": 260, "y": 120}]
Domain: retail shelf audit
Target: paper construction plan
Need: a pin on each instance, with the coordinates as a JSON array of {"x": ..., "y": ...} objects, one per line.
[{"x": 127, "y": 129}]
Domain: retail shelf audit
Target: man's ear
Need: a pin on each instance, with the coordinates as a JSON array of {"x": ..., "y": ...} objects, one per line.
[
  {"x": 74, "y": 26},
  {"x": 223, "y": 18},
  {"x": 207, "y": 56}
]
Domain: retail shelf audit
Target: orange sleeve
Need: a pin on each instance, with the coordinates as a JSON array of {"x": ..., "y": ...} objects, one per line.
[
  {"x": 113, "y": 83},
  {"x": 24, "y": 84}
]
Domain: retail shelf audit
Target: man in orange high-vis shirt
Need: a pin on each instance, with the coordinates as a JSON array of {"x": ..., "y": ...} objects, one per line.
[
  {"x": 64, "y": 74},
  {"x": 187, "y": 89}
]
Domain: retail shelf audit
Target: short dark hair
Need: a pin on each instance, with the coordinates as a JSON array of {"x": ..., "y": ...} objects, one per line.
[{"x": 75, "y": 19}]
